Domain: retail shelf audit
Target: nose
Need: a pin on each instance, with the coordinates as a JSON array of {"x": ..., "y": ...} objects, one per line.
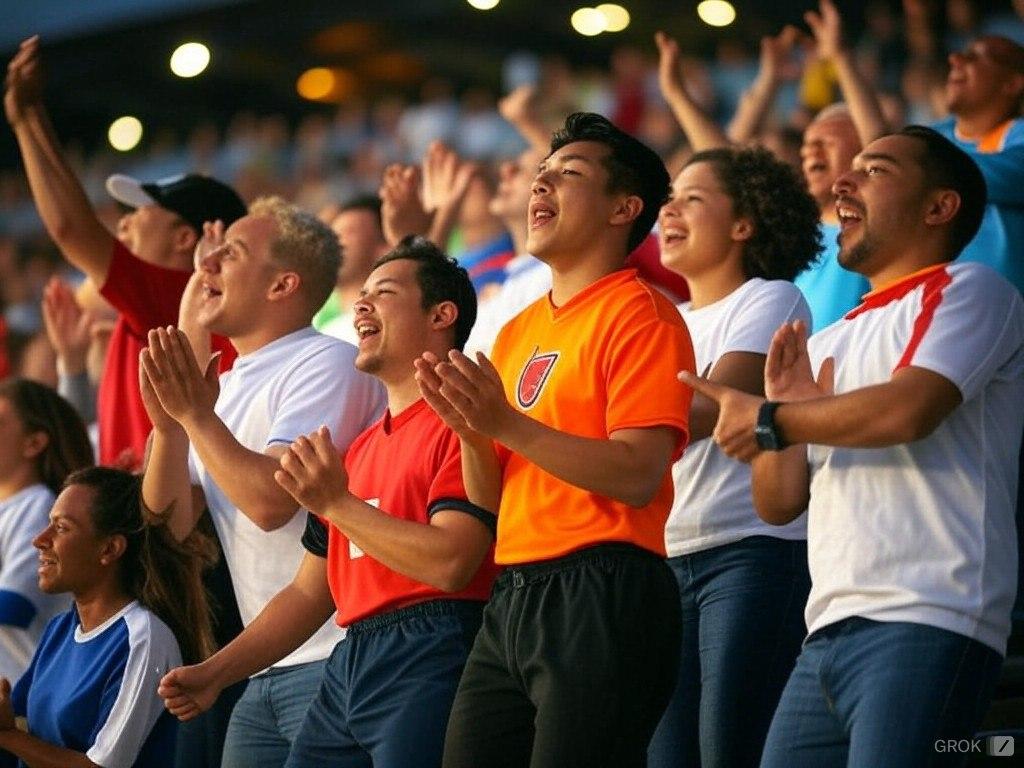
[
  {"x": 845, "y": 184},
  {"x": 362, "y": 306},
  {"x": 210, "y": 262},
  {"x": 42, "y": 539},
  {"x": 956, "y": 59},
  {"x": 540, "y": 185}
]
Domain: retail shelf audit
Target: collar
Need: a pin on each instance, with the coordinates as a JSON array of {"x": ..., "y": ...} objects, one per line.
[{"x": 898, "y": 288}]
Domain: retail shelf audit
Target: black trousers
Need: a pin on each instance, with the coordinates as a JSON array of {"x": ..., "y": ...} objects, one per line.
[{"x": 573, "y": 666}]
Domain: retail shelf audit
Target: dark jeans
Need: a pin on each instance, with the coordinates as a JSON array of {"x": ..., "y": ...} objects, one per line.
[
  {"x": 573, "y": 666},
  {"x": 743, "y": 624},
  {"x": 388, "y": 688},
  {"x": 868, "y": 694}
]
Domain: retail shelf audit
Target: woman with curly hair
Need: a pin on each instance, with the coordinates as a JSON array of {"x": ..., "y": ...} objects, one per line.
[
  {"x": 42, "y": 440},
  {"x": 739, "y": 227},
  {"x": 90, "y": 694}
]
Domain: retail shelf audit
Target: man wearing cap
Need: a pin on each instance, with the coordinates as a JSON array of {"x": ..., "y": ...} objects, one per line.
[{"x": 142, "y": 272}]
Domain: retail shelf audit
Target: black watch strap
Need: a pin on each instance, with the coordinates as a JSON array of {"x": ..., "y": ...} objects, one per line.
[{"x": 766, "y": 433}]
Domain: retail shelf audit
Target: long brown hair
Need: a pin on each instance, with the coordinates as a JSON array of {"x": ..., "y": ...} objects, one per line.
[
  {"x": 40, "y": 409},
  {"x": 163, "y": 574}
]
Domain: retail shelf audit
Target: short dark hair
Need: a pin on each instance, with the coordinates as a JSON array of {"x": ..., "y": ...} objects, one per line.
[
  {"x": 367, "y": 202},
  {"x": 632, "y": 166},
  {"x": 769, "y": 192},
  {"x": 440, "y": 279},
  {"x": 946, "y": 166}
]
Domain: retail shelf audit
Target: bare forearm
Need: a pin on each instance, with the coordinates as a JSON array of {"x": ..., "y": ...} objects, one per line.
[
  {"x": 288, "y": 620},
  {"x": 780, "y": 484},
  {"x": 62, "y": 203},
  {"x": 864, "y": 106},
  {"x": 425, "y": 553},
  {"x": 701, "y": 131},
  {"x": 751, "y": 112},
  {"x": 481, "y": 473},
  {"x": 166, "y": 482},
  {"x": 41, "y": 754},
  {"x": 246, "y": 477},
  {"x": 607, "y": 467}
]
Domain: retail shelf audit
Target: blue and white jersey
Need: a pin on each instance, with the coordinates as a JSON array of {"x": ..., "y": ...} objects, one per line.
[
  {"x": 95, "y": 692},
  {"x": 24, "y": 609}
]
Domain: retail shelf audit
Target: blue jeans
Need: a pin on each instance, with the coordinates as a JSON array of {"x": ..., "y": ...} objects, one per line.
[
  {"x": 742, "y": 628},
  {"x": 877, "y": 694},
  {"x": 388, "y": 689},
  {"x": 268, "y": 715}
]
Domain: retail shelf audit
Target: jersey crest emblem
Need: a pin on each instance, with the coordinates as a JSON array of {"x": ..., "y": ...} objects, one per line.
[{"x": 534, "y": 376}]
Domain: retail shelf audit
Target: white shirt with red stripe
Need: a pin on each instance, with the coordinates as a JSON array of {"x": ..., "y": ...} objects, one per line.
[{"x": 924, "y": 532}]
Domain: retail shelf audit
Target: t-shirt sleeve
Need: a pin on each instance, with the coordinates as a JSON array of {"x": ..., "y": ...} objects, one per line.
[
  {"x": 152, "y": 652},
  {"x": 326, "y": 389},
  {"x": 969, "y": 330},
  {"x": 1003, "y": 172},
  {"x": 147, "y": 296},
  {"x": 448, "y": 490},
  {"x": 315, "y": 536},
  {"x": 20, "y": 597},
  {"x": 760, "y": 315},
  {"x": 640, "y": 369}
]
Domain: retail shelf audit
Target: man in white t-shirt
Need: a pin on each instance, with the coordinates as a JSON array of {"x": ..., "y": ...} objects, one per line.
[
  {"x": 904, "y": 452},
  {"x": 258, "y": 284}
]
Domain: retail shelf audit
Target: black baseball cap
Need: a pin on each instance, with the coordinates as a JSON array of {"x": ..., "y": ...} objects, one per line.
[{"x": 197, "y": 199}]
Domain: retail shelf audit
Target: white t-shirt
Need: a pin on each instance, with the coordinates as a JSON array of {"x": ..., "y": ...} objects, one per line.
[
  {"x": 285, "y": 389},
  {"x": 526, "y": 279},
  {"x": 341, "y": 327},
  {"x": 713, "y": 504},
  {"x": 23, "y": 516},
  {"x": 924, "y": 532}
]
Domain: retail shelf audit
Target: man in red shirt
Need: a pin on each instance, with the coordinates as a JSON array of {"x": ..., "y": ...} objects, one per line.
[
  {"x": 142, "y": 272},
  {"x": 393, "y": 544}
]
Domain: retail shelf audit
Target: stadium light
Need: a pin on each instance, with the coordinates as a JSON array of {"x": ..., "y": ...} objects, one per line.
[
  {"x": 588, "y": 21},
  {"x": 616, "y": 17},
  {"x": 716, "y": 13},
  {"x": 190, "y": 59},
  {"x": 315, "y": 84},
  {"x": 125, "y": 133},
  {"x": 483, "y": 5}
]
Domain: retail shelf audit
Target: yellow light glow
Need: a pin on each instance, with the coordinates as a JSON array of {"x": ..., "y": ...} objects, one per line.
[
  {"x": 616, "y": 17},
  {"x": 316, "y": 83},
  {"x": 588, "y": 21},
  {"x": 125, "y": 133},
  {"x": 190, "y": 59},
  {"x": 716, "y": 13},
  {"x": 483, "y": 5}
]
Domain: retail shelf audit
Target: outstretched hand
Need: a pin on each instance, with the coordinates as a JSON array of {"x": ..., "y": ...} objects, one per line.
[
  {"x": 787, "y": 367},
  {"x": 24, "y": 81},
  {"x": 670, "y": 76},
  {"x": 827, "y": 27},
  {"x": 402, "y": 211},
  {"x": 313, "y": 473},
  {"x": 68, "y": 327},
  {"x": 184, "y": 391},
  {"x": 737, "y": 416},
  {"x": 189, "y": 691}
]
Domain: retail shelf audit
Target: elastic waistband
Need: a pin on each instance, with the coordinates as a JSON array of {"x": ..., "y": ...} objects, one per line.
[
  {"x": 525, "y": 573},
  {"x": 468, "y": 609}
]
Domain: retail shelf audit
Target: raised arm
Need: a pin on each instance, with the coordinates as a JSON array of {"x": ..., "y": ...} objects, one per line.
[
  {"x": 757, "y": 100},
  {"x": 865, "y": 109},
  {"x": 445, "y": 553},
  {"x": 188, "y": 395},
  {"x": 62, "y": 203},
  {"x": 287, "y": 621},
  {"x": 519, "y": 108},
  {"x": 701, "y": 131}
]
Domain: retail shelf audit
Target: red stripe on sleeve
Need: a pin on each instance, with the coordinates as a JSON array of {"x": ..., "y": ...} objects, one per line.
[{"x": 933, "y": 289}]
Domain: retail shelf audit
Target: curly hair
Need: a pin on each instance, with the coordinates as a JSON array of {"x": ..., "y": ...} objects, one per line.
[{"x": 787, "y": 235}]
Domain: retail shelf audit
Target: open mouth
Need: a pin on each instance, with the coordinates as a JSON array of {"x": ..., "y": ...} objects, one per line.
[
  {"x": 848, "y": 215},
  {"x": 540, "y": 215},
  {"x": 366, "y": 329},
  {"x": 671, "y": 236}
]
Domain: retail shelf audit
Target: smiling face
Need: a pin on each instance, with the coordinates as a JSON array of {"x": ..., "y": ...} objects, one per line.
[
  {"x": 881, "y": 204},
  {"x": 238, "y": 276},
  {"x": 392, "y": 325},
  {"x": 828, "y": 148},
  {"x": 511, "y": 199},
  {"x": 570, "y": 205},
  {"x": 158, "y": 236},
  {"x": 698, "y": 227},
  {"x": 980, "y": 76},
  {"x": 69, "y": 549}
]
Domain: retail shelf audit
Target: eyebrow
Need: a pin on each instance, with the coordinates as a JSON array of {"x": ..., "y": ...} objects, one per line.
[
  {"x": 564, "y": 159},
  {"x": 240, "y": 243},
  {"x": 868, "y": 156},
  {"x": 382, "y": 281}
]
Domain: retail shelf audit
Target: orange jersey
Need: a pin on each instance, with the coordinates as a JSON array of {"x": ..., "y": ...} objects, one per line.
[{"x": 606, "y": 360}]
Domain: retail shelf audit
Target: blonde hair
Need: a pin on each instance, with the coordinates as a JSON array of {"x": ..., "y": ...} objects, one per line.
[{"x": 303, "y": 244}]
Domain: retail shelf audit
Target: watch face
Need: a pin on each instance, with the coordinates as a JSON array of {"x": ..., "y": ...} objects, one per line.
[{"x": 765, "y": 437}]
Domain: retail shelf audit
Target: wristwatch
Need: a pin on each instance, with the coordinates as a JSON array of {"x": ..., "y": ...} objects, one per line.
[{"x": 766, "y": 433}]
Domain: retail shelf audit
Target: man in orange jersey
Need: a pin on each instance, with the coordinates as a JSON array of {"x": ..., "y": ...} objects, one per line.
[{"x": 570, "y": 435}]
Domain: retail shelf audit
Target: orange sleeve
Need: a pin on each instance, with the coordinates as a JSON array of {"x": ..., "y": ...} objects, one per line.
[{"x": 643, "y": 390}]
